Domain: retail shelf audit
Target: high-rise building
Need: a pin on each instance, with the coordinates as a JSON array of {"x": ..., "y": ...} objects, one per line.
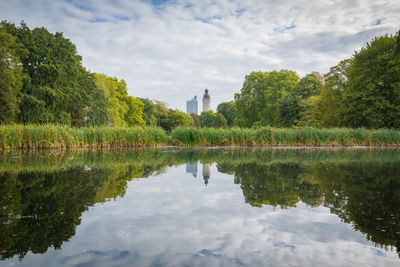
[
  {"x": 206, "y": 101},
  {"x": 191, "y": 106}
]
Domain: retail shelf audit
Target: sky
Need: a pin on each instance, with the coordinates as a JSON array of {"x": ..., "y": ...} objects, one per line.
[{"x": 171, "y": 50}]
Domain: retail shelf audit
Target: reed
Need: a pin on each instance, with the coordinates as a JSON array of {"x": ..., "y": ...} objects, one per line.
[
  {"x": 56, "y": 136},
  {"x": 269, "y": 136}
]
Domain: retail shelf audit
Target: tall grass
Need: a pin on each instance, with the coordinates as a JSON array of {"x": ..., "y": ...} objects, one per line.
[
  {"x": 56, "y": 136},
  {"x": 284, "y": 137}
]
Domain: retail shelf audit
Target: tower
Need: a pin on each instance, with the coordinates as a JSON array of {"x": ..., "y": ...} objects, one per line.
[
  {"x": 191, "y": 106},
  {"x": 206, "y": 101}
]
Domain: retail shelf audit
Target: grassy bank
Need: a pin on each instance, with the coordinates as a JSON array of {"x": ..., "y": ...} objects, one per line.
[
  {"x": 285, "y": 137},
  {"x": 54, "y": 136}
]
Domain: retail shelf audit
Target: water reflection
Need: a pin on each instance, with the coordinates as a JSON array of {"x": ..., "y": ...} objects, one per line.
[
  {"x": 43, "y": 195},
  {"x": 192, "y": 168}
]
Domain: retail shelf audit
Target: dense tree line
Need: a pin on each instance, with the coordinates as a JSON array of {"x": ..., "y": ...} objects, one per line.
[
  {"x": 363, "y": 91},
  {"x": 42, "y": 80}
]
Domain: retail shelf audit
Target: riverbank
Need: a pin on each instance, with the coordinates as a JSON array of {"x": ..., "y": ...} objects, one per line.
[{"x": 57, "y": 137}]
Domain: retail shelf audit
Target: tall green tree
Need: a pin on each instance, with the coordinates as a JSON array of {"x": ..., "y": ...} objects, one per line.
[
  {"x": 54, "y": 81},
  {"x": 228, "y": 110},
  {"x": 257, "y": 102},
  {"x": 290, "y": 107},
  {"x": 149, "y": 112},
  {"x": 212, "y": 119},
  {"x": 331, "y": 100},
  {"x": 10, "y": 77},
  {"x": 134, "y": 114},
  {"x": 373, "y": 96},
  {"x": 177, "y": 118},
  {"x": 122, "y": 110}
]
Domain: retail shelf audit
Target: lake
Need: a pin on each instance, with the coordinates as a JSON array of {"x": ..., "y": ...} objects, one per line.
[{"x": 200, "y": 207}]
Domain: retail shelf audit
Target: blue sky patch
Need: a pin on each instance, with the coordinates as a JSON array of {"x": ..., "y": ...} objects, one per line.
[
  {"x": 285, "y": 28},
  {"x": 378, "y": 22},
  {"x": 97, "y": 20}
]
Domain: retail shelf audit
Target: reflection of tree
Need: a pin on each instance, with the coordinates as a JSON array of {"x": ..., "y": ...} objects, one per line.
[
  {"x": 53, "y": 203},
  {"x": 276, "y": 184},
  {"x": 365, "y": 194},
  {"x": 55, "y": 188}
]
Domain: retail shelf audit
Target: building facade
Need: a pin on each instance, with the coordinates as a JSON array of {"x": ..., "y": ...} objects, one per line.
[{"x": 192, "y": 106}]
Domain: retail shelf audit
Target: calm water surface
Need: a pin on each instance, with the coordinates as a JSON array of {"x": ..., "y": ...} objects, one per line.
[{"x": 210, "y": 207}]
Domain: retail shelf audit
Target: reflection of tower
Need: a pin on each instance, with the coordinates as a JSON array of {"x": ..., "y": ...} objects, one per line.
[
  {"x": 206, "y": 173},
  {"x": 192, "y": 168},
  {"x": 191, "y": 106},
  {"x": 206, "y": 101}
]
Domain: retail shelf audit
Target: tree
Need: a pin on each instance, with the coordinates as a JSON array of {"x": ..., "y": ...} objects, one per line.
[
  {"x": 290, "y": 107},
  {"x": 149, "y": 112},
  {"x": 10, "y": 77},
  {"x": 310, "y": 114},
  {"x": 331, "y": 101},
  {"x": 372, "y": 99},
  {"x": 134, "y": 114},
  {"x": 228, "y": 110},
  {"x": 257, "y": 102},
  {"x": 212, "y": 119},
  {"x": 55, "y": 87},
  {"x": 289, "y": 110},
  {"x": 195, "y": 119},
  {"x": 177, "y": 118}
]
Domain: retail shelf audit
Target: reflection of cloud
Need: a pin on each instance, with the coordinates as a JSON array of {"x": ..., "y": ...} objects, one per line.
[
  {"x": 172, "y": 221},
  {"x": 174, "y": 49}
]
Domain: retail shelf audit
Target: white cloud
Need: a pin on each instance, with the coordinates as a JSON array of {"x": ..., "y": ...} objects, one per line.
[{"x": 172, "y": 51}]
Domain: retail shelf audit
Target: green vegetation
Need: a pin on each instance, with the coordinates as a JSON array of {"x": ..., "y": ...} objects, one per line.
[
  {"x": 363, "y": 91},
  {"x": 53, "y": 136},
  {"x": 43, "y": 82},
  {"x": 284, "y": 137},
  {"x": 59, "y": 136}
]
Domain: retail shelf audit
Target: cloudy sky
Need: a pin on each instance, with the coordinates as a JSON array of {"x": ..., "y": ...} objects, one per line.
[{"x": 171, "y": 50}]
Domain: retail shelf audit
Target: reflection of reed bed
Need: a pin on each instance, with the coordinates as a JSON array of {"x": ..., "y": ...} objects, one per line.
[
  {"x": 57, "y": 136},
  {"x": 157, "y": 159},
  {"x": 268, "y": 136}
]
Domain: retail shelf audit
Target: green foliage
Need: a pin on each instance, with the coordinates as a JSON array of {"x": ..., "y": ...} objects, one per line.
[
  {"x": 310, "y": 113},
  {"x": 55, "y": 87},
  {"x": 292, "y": 106},
  {"x": 289, "y": 110},
  {"x": 177, "y": 118},
  {"x": 122, "y": 110},
  {"x": 195, "y": 120},
  {"x": 10, "y": 77},
  {"x": 331, "y": 100},
  {"x": 284, "y": 137},
  {"x": 257, "y": 102},
  {"x": 373, "y": 96},
  {"x": 228, "y": 110},
  {"x": 212, "y": 119},
  {"x": 133, "y": 116},
  {"x": 149, "y": 112}
]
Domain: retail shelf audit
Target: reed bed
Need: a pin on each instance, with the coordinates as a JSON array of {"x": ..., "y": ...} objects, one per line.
[
  {"x": 269, "y": 136},
  {"x": 58, "y": 136}
]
